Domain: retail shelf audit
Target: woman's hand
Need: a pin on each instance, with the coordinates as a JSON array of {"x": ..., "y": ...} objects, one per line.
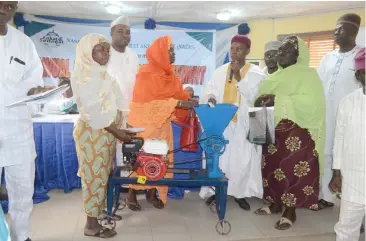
[
  {"x": 212, "y": 100},
  {"x": 39, "y": 90},
  {"x": 270, "y": 101},
  {"x": 265, "y": 100},
  {"x": 124, "y": 135},
  {"x": 187, "y": 104}
]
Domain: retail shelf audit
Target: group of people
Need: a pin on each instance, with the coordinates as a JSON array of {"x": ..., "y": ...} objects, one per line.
[
  {"x": 112, "y": 93},
  {"x": 319, "y": 128}
]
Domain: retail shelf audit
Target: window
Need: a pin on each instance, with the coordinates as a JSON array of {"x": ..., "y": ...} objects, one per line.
[{"x": 319, "y": 44}]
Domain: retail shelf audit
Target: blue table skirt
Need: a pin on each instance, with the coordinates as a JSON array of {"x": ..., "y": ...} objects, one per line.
[{"x": 57, "y": 164}]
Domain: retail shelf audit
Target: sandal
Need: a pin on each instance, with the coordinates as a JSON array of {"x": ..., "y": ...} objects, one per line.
[
  {"x": 133, "y": 206},
  {"x": 263, "y": 211},
  {"x": 322, "y": 204},
  {"x": 157, "y": 203},
  {"x": 103, "y": 233},
  {"x": 268, "y": 210},
  {"x": 283, "y": 224}
]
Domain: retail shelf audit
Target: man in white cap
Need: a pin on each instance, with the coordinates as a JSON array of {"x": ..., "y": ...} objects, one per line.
[
  {"x": 337, "y": 72},
  {"x": 270, "y": 57},
  {"x": 237, "y": 83},
  {"x": 123, "y": 66},
  {"x": 124, "y": 63}
]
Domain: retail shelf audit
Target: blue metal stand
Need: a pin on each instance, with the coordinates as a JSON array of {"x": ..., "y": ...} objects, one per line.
[
  {"x": 214, "y": 121},
  {"x": 198, "y": 178}
]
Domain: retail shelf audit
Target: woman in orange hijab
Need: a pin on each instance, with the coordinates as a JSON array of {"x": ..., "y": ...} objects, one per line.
[{"x": 157, "y": 93}]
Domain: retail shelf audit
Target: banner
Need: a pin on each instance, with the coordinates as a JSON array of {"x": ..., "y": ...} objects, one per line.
[{"x": 56, "y": 46}]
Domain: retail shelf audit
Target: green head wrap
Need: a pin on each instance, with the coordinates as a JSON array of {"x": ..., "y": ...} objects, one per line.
[{"x": 300, "y": 97}]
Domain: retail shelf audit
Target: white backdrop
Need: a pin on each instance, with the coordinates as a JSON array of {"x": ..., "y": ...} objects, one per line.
[{"x": 195, "y": 50}]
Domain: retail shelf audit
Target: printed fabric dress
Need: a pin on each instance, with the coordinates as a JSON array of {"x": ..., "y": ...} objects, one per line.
[
  {"x": 97, "y": 96},
  {"x": 290, "y": 168}
]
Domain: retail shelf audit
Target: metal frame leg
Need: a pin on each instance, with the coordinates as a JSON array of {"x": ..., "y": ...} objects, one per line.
[
  {"x": 217, "y": 199},
  {"x": 110, "y": 198},
  {"x": 222, "y": 202},
  {"x": 223, "y": 227},
  {"x": 117, "y": 196}
]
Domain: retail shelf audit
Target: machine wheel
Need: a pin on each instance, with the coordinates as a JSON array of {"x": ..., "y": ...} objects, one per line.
[
  {"x": 108, "y": 222},
  {"x": 213, "y": 207},
  {"x": 223, "y": 227}
]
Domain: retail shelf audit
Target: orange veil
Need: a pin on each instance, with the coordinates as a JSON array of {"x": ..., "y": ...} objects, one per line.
[
  {"x": 157, "y": 80},
  {"x": 155, "y": 97}
]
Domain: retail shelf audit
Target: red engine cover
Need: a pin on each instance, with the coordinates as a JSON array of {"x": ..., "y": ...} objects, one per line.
[{"x": 153, "y": 167}]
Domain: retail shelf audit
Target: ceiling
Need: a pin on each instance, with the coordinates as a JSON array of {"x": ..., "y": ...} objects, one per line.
[{"x": 189, "y": 11}]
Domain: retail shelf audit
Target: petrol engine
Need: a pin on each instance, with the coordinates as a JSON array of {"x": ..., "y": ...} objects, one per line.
[{"x": 147, "y": 158}]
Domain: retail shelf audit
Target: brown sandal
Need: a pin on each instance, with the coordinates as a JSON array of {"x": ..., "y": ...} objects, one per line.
[
  {"x": 322, "y": 204},
  {"x": 263, "y": 211},
  {"x": 133, "y": 206},
  {"x": 157, "y": 203},
  {"x": 103, "y": 233},
  {"x": 283, "y": 224},
  {"x": 268, "y": 210}
]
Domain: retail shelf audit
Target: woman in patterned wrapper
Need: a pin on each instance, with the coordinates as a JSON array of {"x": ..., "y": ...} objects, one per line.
[
  {"x": 290, "y": 167},
  {"x": 95, "y": 133}
]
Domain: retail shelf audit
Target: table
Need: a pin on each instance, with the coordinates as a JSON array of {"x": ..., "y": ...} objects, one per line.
[{"x": 57, "y": 164}]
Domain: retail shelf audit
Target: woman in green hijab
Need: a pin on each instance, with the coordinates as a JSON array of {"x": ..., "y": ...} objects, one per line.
[{"x": 290, "y": 167}]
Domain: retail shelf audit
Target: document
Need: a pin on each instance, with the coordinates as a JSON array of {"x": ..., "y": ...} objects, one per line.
[
  {"x": 261, "y": 125},
  {"x": 42, "y": 98}
]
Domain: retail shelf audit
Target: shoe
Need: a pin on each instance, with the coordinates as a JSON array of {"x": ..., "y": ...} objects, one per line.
[
  {"x": 242, "y": 203},
  {"x": 210, "y": 200}
]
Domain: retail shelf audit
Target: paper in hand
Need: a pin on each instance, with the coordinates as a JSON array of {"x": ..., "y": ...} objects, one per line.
[
  {"x": 261, "y": 125},
  {"x": 42, "y": 98}
]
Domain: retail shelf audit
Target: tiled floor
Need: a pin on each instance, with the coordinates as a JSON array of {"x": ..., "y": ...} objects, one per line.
[{"x": 62, "y": 219}]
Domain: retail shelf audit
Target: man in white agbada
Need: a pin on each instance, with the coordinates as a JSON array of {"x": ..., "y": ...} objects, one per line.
[
  {"x": 270, "y": 57},
  {"x": 337, "y": 73},
  {"x": 237, "y": 83},
  {"x": 349, "y": 158},
  {"x": 123, "y": 66},
  {"x": 21, "y": 73}
]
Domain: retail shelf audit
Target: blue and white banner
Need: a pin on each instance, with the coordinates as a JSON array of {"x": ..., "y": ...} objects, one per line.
[{"x": 56, "y": 45}]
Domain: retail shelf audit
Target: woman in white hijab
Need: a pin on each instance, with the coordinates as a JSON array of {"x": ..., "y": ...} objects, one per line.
[{"x": 95, "y": 133}]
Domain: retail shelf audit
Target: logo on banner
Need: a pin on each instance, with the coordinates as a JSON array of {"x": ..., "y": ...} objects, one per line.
[{"x": 52, "y": 39}]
